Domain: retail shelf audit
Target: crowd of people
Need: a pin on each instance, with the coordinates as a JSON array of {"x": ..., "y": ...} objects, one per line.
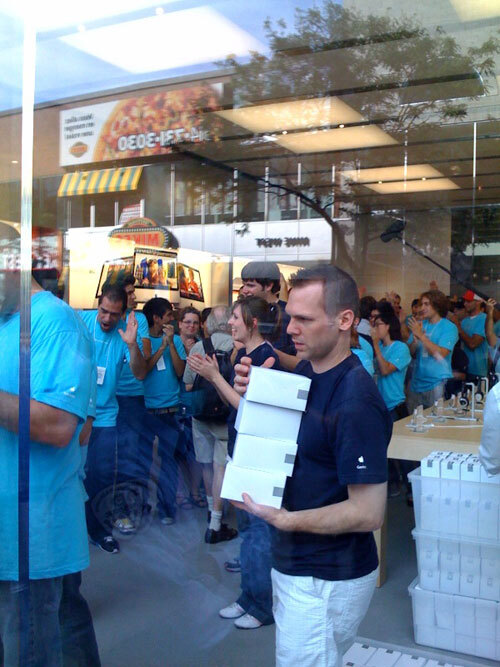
[{"x": 116, "y": 390}]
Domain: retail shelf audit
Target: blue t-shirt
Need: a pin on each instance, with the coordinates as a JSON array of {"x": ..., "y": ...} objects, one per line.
[
  {"x": 496, "y": 328},
  {"x": 161, "y": 384},
  {"x": 365, "y": 355},
  {"x": 61, "y": 363},
  {"x": 111, "y": 355},
  {"x": 478, "y": 357},
  {"x": 342, "y": 441},
  {"x": 128, "y": 384},
  {"x": 392, "y": 386},
  {"x": 258, "y": 356},
  {"x": 429, "y": 371}
]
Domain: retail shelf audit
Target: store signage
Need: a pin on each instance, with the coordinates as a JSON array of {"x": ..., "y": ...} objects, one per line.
[
  {"x": 287, "y": 242},
  {"x": 137, "y": 126},
  {"x": 144, "y": 231},
  {"x": 129, "y": 213}
]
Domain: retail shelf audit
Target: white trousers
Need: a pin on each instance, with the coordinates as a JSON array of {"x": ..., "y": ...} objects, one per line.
[{"x": 317, "y": 620}]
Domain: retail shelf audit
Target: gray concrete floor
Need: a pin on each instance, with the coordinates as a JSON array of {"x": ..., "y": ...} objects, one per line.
[{"x": 156, "y": 602}]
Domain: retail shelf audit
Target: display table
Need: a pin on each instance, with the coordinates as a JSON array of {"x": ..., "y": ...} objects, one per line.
[{"x": 453, "y": 436}]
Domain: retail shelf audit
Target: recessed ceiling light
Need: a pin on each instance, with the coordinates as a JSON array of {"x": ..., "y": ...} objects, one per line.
[
  {"x": 159, "y": 11},
  {"x": 297, "y": 114},
  {"x": 398, "y": 173},
  {"x": 362, "y": 136},
  {"x": 341, "y": 125},
  {"x": 15, "y": 161},
  {"x": 423, "y": 178},
  {"x": 405, "y": 187},
  {"x": 380, "y": 181}
]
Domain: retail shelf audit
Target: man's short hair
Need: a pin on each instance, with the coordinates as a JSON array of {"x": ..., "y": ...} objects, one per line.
[
  {"x": 415, "y": 302},
  {"x": 115, "y": 294},
  {"x": 156, "y": 306},
  {"x": 264, "y": 273},
  {"x": 339, "y": 288},
  {"x": 128, "y": 279},
  {"x": 366, "y": 305},
  {"x": 217, "y": 320},
  {"x": 438, "y": 301}
]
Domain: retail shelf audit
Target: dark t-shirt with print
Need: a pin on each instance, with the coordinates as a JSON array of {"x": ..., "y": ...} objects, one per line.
[{"x": 342, "y": 441}]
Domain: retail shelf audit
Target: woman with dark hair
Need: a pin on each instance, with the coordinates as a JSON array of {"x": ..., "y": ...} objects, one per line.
[
  {"x": 254, "y": 322},
  {"x": 393, "y": 358}
]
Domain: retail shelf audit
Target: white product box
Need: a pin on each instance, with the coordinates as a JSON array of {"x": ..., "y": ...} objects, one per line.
[
  {"x": 470, "y": 469},
  {"x": 251, "y": 451},
  {"x": 359, "y": 654},
  {"x": 267, "y": 421},
  {"x": 449, "y": 556},
  {"x": 430, "y": 470},
  {"x": 486, "y": 648},
  {"x": 429, "y": 511},
  {"x": 449, "y": 582},
  {"x": 465, "y": 614},
  {"x": 486, "y": 616},
  {"x": 383, "y": 657},
  {"x": 263, "y": 487},
  {"x": 465, "y": 644},
  {"x": 444, "y": 614},
  {"x": 468, "y": 516},
  {"x": 487, "y": 525},
  {"x": 437, "y": 663},
  {"x": 430, "y": 579},
  {"x": 407, "y": 660},
  {"x": 489, "y": 588},
  {"x": 469, "y": 584},
  {"x": 448, "y": 512},
  {"x": 284, "y": 390}
]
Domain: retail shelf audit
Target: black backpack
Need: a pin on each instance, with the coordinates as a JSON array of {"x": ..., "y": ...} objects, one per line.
[{"x": 207, "y": 405}]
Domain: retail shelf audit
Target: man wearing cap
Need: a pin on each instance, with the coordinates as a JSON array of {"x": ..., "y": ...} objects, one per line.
[
  {"x": 473, "y": 336},
  {"x": 262, "y": 279}
]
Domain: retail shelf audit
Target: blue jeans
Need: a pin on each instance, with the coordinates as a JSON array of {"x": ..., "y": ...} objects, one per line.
[
  {"x": 166, "y": 427},
  {"x": 134, "y": 444},
  {"x": 255, "y": 555},
  {"x": 101, "y": 474},
  {"x": 45, "y": 644},
  {"x": 79, "y": 645}
]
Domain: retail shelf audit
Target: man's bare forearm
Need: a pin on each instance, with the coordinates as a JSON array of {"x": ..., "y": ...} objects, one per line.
[
  {"x": 345, "y": 517},
  {"x": 137, "y": 362},
  {"x": 48, "y": 425}
]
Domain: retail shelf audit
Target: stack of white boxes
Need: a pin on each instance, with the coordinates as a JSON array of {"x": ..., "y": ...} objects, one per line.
[
  {"x": 268, "y": 423},
  {"x": 456, "y": 599}
]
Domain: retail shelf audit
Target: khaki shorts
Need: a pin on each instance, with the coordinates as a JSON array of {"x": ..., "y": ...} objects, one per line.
[{"x": 210, "y": 442}]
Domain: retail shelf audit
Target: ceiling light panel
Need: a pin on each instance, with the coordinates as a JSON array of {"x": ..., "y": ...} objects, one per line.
[
  {"x": 363, "y": 136},
  {"x": 158, "y": 43},
  {"x": 404, "y": 187},
  {"x": 474, "y": 10},
  {"x": 298, "y": 114},
  {"x": 392, "y": 173}
]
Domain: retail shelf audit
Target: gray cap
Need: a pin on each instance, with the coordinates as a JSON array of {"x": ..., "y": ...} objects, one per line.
[{"x": 260, "y": 271}]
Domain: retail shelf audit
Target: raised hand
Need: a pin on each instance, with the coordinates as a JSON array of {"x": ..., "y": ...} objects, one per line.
[
  {"x": 129, "y": 336},
  {"x": 168, "y": 334},
  {"x": 205, "y": 366},
  {"x": 416, "y": 328}
]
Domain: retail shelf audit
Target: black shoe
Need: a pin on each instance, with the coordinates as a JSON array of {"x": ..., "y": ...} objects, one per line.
[
  {"x": 224, "y": 534},
  {"x": 107, "y": 544}
]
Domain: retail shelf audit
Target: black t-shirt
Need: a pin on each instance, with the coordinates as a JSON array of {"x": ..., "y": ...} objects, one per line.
[
  {"x": 258, "y": 356},
  {"x": 284, "y": 342},
  {"x": 343, "y": 440}
]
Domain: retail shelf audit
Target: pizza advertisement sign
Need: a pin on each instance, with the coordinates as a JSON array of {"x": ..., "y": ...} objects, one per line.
[{"x": 136, "y": 127}]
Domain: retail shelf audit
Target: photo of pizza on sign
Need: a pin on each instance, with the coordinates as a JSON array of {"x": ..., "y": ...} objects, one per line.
[{"x": 138, "y": 126}]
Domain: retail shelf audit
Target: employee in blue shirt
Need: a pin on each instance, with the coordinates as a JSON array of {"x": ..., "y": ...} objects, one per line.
[
  {"x": 60, "y": 388},
  {"x": 132, "y": 439},
  {"x": 162, "y": 389},
  {"x": 473, "y": 336},
  {"x": 114, "y": 346},
  {"x": 432, "y": 341}
]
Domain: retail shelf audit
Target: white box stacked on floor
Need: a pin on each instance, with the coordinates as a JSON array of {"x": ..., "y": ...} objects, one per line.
[
  {"x": 268, "y": 423},
  {"x": 456, "y": 598}
]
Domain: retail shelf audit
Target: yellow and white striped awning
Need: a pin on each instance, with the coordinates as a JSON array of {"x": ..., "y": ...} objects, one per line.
[{"x": 99, "y": 180}]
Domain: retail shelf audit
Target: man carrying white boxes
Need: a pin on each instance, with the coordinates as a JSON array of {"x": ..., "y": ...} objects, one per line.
[{"x": 324, "y": 555}]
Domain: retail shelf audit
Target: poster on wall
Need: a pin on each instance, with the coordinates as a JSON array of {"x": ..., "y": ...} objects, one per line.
[
  {"x": 190, "y": 286},
  {"x": 155, "y": 269},
  {"x": 137, "y": 126},
  {"x": 114, "y": 271}
]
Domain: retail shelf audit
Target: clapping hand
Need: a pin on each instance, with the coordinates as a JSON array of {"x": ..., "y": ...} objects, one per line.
[
  {"x": 129, "y": 336},
  {"x": 168, "y": 334},
  {"x": 416, "y": 328},
  {"x": 205, "y": 366}
]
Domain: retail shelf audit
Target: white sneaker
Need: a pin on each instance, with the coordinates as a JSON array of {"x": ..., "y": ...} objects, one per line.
[
  {"x": 247, "y": 622},
  {"x": 232, "y": 611}
]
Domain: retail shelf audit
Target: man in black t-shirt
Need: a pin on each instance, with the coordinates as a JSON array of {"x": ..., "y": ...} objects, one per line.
[
  {"x": 262, "y": 279},
  {"x": 324, "y": 554}
]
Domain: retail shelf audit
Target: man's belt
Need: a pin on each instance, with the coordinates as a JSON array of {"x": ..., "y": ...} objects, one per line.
[{"x": 164, "y": 411}]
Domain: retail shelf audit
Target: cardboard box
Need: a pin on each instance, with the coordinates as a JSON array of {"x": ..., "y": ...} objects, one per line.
[
  {"x": 267, "y": 454},
  {"x": 267, "y": 421},
  {"x": 264, "y": 488},
  {"x": 284, "y": 390}
]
